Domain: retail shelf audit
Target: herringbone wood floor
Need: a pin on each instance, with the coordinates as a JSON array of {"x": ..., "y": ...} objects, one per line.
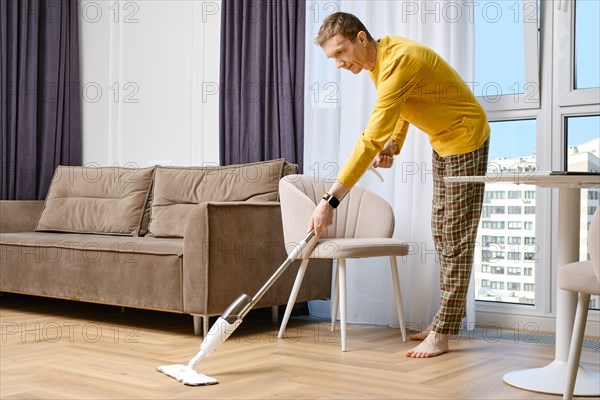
[{"x": 54, "y": 349}]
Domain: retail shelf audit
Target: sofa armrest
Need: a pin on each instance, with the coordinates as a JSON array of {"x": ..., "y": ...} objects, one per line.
[
  {"x": 232, "y": 248},
  {"x": 19, "y": 215}
]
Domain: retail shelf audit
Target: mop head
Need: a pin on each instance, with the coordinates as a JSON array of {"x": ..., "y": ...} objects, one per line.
[{"x": 186, "y": 375}]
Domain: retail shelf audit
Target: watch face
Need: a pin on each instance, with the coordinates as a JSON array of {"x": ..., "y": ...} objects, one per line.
[{"x": 333, "y": 202}]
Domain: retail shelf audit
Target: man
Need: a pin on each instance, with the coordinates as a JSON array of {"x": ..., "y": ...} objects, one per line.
[{"x": 416, "y": 86}]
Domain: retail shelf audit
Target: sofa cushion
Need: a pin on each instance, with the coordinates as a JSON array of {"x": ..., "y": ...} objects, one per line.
[
  {"x": 177, "y": 190},
  {"x": 133, "y": 271},
  {"x": 107, "y": 200}
]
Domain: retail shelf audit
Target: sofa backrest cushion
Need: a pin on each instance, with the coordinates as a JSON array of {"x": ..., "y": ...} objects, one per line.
[
  {"x": 178, "y": 189},
  {"x": 107, "y": 200}
]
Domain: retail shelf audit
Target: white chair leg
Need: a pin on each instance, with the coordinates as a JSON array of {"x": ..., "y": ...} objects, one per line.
[
  {"x": 576, "y": 344},
  {"x": 342, "y": 291},
  {"x": 335, "y": 297},
  {"x": 398, "y": 295},
  {"x": 293, "y": 296}
]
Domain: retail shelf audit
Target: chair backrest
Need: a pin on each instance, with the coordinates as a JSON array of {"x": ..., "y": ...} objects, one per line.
[
  {"x": 361, "y": 214},
  {"x": 594, "y": 242}
]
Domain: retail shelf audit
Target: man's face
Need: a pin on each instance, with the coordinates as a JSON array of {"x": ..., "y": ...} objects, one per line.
[{"x": 347, "y": 54}]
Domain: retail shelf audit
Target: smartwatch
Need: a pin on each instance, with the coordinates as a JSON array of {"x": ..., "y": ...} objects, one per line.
[{"x": 331, "y": 200}]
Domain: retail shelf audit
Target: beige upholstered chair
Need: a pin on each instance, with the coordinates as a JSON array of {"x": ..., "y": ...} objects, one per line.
[
  {"x": 362, "y": 227},
  {"x": 582, "y": 277}
]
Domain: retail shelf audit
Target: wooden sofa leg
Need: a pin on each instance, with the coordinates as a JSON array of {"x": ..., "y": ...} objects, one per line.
[
  {"x": 274, "y": 314},
  {"x": 205, "y": 327},
  {"x": 201, "y": 325}
]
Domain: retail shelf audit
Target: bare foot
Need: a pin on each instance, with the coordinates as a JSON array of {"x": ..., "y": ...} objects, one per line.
[
  {"x": 433, "y": 345},
  {"x": 423, "y": 334}
]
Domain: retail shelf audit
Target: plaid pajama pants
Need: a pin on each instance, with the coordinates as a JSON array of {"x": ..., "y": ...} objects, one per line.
[{"x": 455, "y": 214}]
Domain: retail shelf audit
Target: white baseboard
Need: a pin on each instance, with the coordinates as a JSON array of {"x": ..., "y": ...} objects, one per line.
[{"x": 528, "y": 323}]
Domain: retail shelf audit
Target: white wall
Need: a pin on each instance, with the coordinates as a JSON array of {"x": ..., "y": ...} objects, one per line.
[{"x": 149, "y": 76}]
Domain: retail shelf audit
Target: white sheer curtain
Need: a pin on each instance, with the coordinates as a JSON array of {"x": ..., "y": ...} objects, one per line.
[{"x": 337, "y": 108}]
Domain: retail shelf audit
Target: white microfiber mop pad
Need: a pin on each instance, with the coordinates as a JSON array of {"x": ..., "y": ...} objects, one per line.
[{"x": 186, "y": 375}]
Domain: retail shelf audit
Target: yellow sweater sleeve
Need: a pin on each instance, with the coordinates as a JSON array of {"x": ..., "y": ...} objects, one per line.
[
  {"x": 394, "y": 83},
  {"x": 399, "y": 134}
]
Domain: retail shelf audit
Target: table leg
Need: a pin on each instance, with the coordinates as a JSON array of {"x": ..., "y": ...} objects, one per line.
[{"x": 551, "y": 378}]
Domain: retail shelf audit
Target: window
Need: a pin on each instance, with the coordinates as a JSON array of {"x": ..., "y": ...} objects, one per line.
[
  {"x": 515, "y": 84},
  {"x": 583, "y": 154},
  {"x": 494, "y": 194},
  {"x": 493, "y": 224},
  {"x": 529, "y": 256},
  {"x": 489, "y": 255},
  {"x": 485, "y": 268},
  {"x": 498, "y": 270},
  {"x": 529, "y": 210},
  {"x": 486, "y": 239},
  {"x": 512, "y": 148},
  {"x": 583, "y": 135},
  {"x": 528, "y": 225},
  {"x": 485, "y": 283},
  {"x": 530, "y": 194},
  {"x": 514, "y": 240},
  {"x": 514, "y": 224},
  {"x": 514, "y": 194},
  {"x": 513, "y": 271},
  {"x": 528, "y": 271},
  {"x": 496, "y": 285},
  {"x": 514, "y": 286},
  {"x": 587, "y": 43},
  {"x": 529, "y": 241},
  {"x": 528, "y": 287}
]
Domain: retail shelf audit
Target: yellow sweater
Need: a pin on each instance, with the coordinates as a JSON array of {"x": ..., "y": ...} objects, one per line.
[{"x": 415, "y": 85}]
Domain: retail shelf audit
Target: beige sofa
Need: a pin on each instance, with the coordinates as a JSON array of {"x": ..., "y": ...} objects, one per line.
[{"x": 185, "y": 240}]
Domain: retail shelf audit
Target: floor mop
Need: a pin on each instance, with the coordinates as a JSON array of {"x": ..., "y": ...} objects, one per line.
[
  {"x": 229, "y": 321},
  {"x": 225, "y": 325}
]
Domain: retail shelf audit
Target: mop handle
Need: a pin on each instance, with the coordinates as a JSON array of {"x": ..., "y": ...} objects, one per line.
[{"x": 291, "y": 258}]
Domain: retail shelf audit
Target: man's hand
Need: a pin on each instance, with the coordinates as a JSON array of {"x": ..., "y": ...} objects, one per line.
[
  {"x": 385, "y": 158},
  {"x": 322, "y": 217}
]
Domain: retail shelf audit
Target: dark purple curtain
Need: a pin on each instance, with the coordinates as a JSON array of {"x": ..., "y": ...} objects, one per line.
[
  {"x": 262, "y": 80},
  {"x": 40, "y": 118}
]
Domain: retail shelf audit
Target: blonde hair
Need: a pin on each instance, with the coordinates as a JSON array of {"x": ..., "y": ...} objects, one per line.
[{"x": 345, "y": 24}]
